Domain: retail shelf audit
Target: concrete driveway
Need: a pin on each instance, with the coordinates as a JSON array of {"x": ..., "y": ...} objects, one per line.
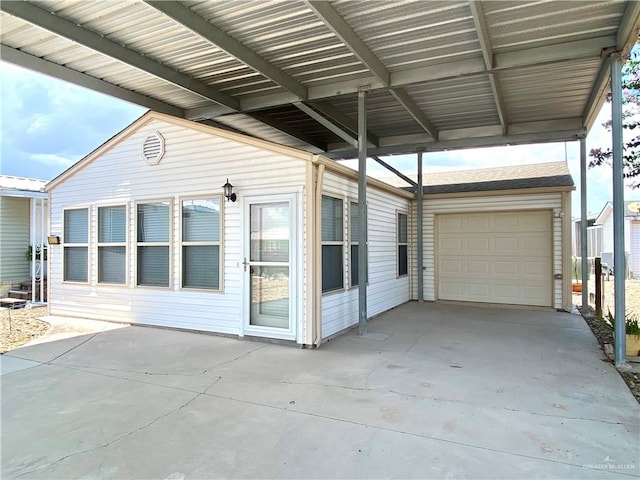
[{"x": 434, "y": 391}]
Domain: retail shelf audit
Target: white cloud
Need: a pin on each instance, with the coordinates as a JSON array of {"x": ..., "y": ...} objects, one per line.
[{"x": 53, "y": 160}]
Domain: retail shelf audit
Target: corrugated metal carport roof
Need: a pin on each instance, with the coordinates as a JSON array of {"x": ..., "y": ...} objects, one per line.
[{"x": 448, "y": 74}]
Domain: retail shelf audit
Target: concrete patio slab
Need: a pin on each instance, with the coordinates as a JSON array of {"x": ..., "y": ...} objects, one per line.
[{"x": 436, "y": 391}]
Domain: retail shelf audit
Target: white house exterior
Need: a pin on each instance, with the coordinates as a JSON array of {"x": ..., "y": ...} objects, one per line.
[
  {"x": 604, "y": 222},
  {"x": 149, "y": 238},
  {"x": 126, "y": 215},
  {"x": 23, "y": 222}
]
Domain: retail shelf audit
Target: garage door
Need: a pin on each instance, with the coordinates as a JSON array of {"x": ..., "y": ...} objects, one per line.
[{"x": 495, "y": 257}]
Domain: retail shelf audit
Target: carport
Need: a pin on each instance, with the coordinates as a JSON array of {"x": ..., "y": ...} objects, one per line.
[{"x": 352, "y": 79}]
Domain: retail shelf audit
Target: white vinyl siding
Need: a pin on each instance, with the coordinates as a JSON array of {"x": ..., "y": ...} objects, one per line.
[
  {"x": 385, "y": 289},
  {"x": 112, "y": 244},
  {"x": 195, "y": 164},
  {"x": 488, "y": 203},
  {"x": 14, "y": 225},
  {"x": 76, "y": 245}
]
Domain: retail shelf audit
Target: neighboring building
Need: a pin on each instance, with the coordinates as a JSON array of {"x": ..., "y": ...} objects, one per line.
[
  {"x": 603, "y": 231},
  {"x": 149, "y": 238},
  {"x": 22, "y": 210}
]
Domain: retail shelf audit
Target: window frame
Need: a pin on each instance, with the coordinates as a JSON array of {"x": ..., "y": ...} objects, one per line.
[
  {"x": 124, "y": 244},
  {"x": 351, "y": 243},
  {"x": 401, "y": 244},
  {"x": 168, "y": 244},
  {"x": 66, "y": 244},
  {"x": 219, "y": 243},
  {"x": 340, "y": 243}
]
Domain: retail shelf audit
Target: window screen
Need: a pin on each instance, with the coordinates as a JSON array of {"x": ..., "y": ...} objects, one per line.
[
  {"x": 76, "y": 245},
  {"x": 201, "y": 232},
  {"x": 332, "y": 244},
  {"x": 403, "y": 246},
  {"x": 112, "y": 246},
  {"x": 153, "y": 235}
]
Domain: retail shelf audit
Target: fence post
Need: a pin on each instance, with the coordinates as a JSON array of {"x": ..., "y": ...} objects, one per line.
[{"x": 598, "y": 275}]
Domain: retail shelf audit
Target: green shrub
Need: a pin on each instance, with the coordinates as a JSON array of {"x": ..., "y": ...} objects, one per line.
[{"x": 631, "y": 322}]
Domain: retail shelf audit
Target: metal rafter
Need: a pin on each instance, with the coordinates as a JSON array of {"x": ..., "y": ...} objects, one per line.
[
  {"x": 192, "y": 21},
  {"x": 344, "y": 120},
  {"x": 628, "y": 31},
  {"x": 67, "y": 29},
  {"x": 353, "y": 42},
  {"x": 46, "y": 67},
  {"x": 487, "y": 53},
  {"x": 289, "y": 130},
  {"x": 328, "y": 124},
  {"x": 528, "y": 57}
]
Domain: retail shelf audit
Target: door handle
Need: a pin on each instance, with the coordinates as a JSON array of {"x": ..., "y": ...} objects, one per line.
[{"x": 245, "y": 263}]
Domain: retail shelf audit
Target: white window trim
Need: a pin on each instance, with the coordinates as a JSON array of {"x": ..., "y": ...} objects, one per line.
[
  {"x": 85, "y": 245},
  {"x": 341, "y": 243},
  {"x": 399, "y": 244},
  {"x": 169, "y": 244},
  {"x": 219, "y": 243},
  {"x": 125, "y": 244}
]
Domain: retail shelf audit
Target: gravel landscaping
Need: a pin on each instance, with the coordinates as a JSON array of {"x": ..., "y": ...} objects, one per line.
[{"x": 23, "y": 328}]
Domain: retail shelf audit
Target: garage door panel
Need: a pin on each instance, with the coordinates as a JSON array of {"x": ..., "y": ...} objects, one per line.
[{"x": 495, "y": 257}]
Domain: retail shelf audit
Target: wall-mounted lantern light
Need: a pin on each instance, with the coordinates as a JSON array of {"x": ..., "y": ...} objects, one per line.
[
  {"x": 53, "y": 240},
  {"x": 228, "y": 192}
]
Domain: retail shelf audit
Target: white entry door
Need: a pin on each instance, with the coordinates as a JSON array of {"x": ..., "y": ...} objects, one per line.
[{"x": 269, "y": 268}]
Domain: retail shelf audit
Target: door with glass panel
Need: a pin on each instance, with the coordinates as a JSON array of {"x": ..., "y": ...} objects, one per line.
[{"x": 268, "y": 266}]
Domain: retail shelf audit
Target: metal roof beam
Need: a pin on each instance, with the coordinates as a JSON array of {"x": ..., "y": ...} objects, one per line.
[
  {"x": 487, "y": 53},
  {"x": 628, "y": 31},
  {"x": 67, "y": 29},
  {"x": 394, "y": 170},
  {"x": 405, "y": 100},
  {"x": 534, "y": 132},
  {"x": 191, "y": 20},
  {"x": 343, "y": 119},
  {"x": 353, "y": 42},
  {"x": 288, "y": 129},
  {"x": 598, "y": 95},
  {"x": 46, "y": 67},
  {"x": 340, "y": 132}
]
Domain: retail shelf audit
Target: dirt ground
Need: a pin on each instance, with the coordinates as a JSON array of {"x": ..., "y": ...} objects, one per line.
[
  {"x": 631, "y": 297},
  {"x": 21, "y": 326}
]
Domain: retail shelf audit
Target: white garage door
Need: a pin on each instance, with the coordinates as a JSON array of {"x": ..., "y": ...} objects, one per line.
[{"x": 495, "y": 257}]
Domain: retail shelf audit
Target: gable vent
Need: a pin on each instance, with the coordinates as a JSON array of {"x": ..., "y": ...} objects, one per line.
[{"x": 153, "y": 149}]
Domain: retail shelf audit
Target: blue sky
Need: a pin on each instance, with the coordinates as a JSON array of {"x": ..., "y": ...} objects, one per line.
[{"x": 46, "y": 125}]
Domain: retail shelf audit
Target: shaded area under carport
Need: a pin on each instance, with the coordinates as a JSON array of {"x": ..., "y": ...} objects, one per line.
[{"x": 432, "y": 391}]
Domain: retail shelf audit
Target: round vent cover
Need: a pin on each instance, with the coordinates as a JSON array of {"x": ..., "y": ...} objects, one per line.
[{"x": 153, "y": 149}]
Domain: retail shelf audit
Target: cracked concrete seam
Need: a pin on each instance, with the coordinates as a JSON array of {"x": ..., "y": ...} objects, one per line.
[{"x": 120, "y": 437}]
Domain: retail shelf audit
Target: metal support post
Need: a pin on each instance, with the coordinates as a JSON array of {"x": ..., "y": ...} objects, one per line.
[
  {"x": 618, "y": 209},
  {"x": 362, "y": 212},
  {"x": 583, "y": 225},
  {"x": 32, "y": 246},
  {"x": 419, "y": 232}
]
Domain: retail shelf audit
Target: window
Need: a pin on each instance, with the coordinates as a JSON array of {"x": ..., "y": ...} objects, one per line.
[
  {"x": 354, "y": 235},
  {"x": 332, "y": 244},
  {"x": 201, "y": 243},
  {"x": 76, "y": 245},
  {"x": 403, "y": 245},
  {"x": 112, "y": 244},
  {"x": 154, "y": 233}
]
